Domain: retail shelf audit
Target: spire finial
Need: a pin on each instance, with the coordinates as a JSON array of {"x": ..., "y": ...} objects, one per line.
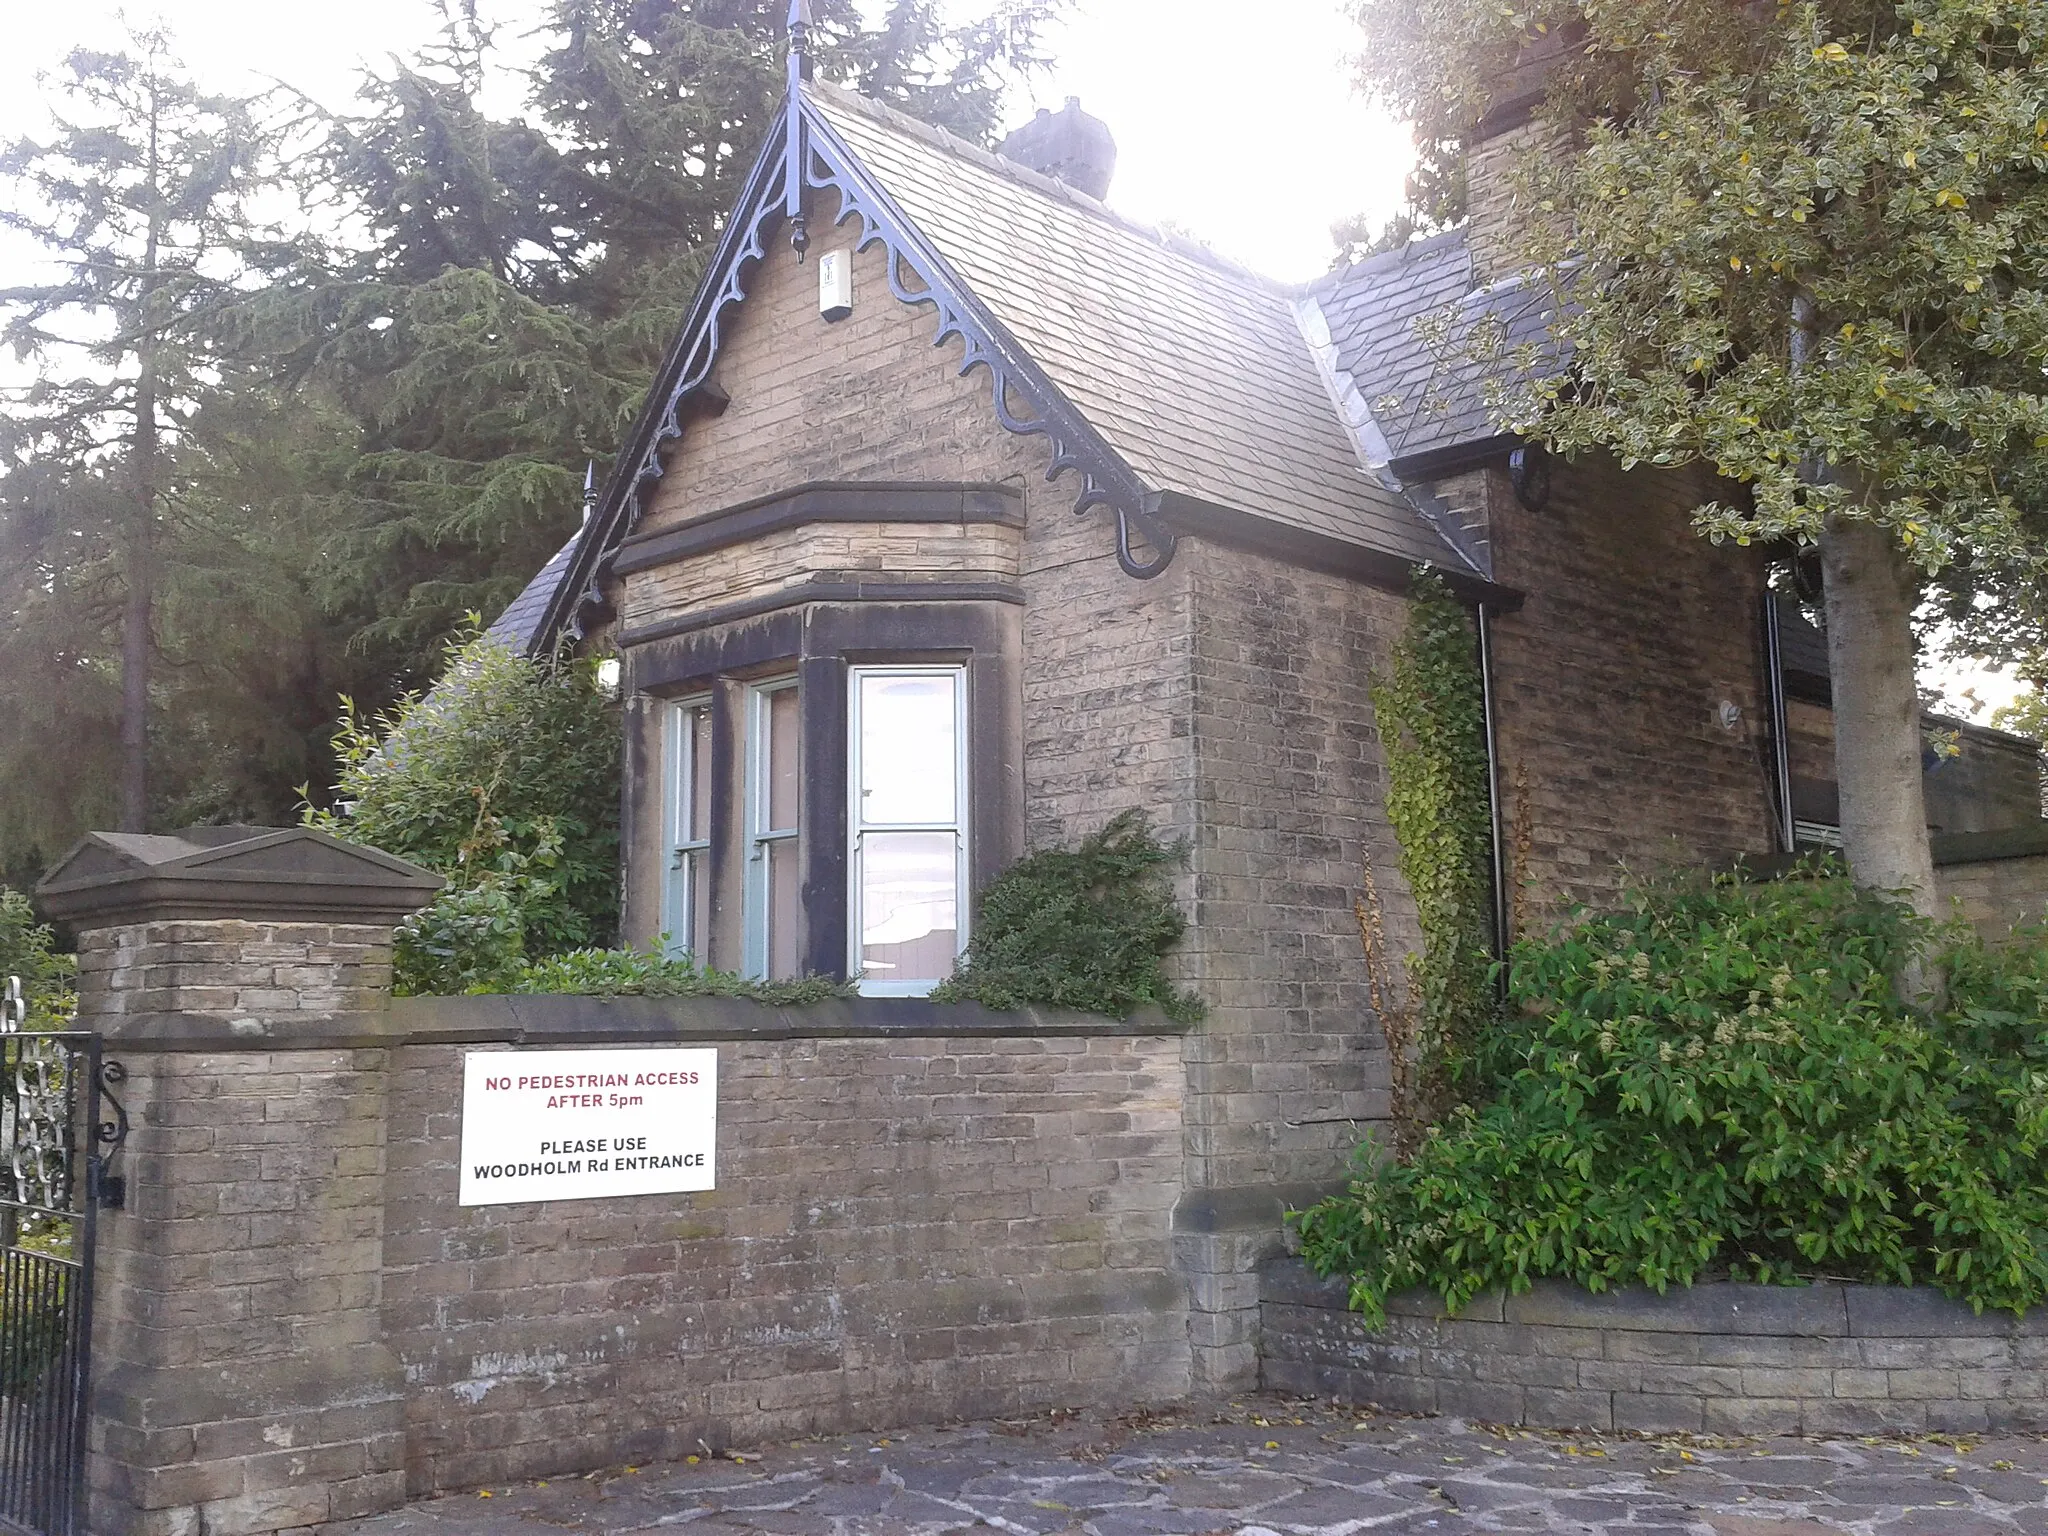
[
  {"x": 589, "y": 488},
  {"x": 800, "y": 23}
]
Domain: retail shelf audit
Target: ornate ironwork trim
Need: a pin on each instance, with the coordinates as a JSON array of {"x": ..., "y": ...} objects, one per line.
[
  {"x": 1106, "y": 480},
  {"x": 805, "y": 153}
]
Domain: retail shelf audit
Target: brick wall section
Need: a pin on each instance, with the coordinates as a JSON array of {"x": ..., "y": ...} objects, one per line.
[
  {"x": 1717, "y": 1359},
  {"x": 1634, "y": 631},
  {"x": 1289, "y": 794},
  {"x": 241, "y": 1381},
  {"x": 232, "y": 968},
  {"x": 1497, "y": 217},
  {"x": 1996, "y": 894},
  {"x": 904, "y": 1230}
]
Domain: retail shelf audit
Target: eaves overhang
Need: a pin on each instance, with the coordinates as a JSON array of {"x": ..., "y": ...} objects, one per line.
[
  {"x": 1451, "y": 458},
  {"x": 803, "y": 153},
  {"x": 1234, "y": 529}
]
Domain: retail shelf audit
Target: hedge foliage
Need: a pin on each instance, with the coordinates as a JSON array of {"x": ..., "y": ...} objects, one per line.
[
  {"x": 505, "y": 779},
  {"x": 1722, "y": 1079},
  {"x": 640, "y": 973},
  {"x": 1085, "y": 927}
]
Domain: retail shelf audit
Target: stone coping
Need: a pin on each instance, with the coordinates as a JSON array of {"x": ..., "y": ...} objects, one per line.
[
  {"x": 1726, "y": 1358},
  {"x": 572, "y": 1020},
  {"x": 1826, "y": 1309}
]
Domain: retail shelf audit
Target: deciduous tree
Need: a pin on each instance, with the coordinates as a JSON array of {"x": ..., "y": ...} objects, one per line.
[{"x": 1805, "y": 245}]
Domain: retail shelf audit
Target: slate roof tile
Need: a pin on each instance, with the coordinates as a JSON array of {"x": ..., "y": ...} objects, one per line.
[
  {"x": 1193, "y": 369},
  {"x": 519, "y": 624}
]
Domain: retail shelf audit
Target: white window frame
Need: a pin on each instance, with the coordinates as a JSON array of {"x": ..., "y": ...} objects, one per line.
[
  {"x": 856, "y": 824},
  {"x": 687, "y": 847},
  {"x": 759, "y": 838}
]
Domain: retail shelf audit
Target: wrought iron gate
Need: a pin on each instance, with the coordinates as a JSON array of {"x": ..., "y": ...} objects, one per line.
[{"x": 58, "y": 1125}]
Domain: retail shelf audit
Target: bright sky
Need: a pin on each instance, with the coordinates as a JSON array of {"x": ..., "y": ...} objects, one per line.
[{"x": 1248, "y": 137}]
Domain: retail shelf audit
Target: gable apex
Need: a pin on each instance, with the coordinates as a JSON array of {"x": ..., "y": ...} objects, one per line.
[{"x": 1158, "y": 372}]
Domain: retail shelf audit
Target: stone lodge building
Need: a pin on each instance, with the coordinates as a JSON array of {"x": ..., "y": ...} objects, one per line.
[
  {"x": 966, "y": 512},
  {"x": 963, "y": 515}
]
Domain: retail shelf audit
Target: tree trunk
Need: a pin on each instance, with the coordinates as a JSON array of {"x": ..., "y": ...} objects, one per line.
[
  {"x": 1870, "y": 595},
  {"x": 136, "y": 644},
  {"x": 138, "y": 617}
]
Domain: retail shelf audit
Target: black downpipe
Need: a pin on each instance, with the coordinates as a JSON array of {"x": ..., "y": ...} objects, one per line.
[
  {"x": 1781, "y": 747},
  {"x": 1501, "y": 935}
]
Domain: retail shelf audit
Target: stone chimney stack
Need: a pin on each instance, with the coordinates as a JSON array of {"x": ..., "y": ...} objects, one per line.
[
  {"x": 1498, "y": 144},
  {"x": 1067, "y": 145}
]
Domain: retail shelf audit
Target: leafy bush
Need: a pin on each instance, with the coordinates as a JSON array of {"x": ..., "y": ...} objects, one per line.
[
  {"x": 26, "y": 952},
  {"x": 638, "y": 973},
  {"x": 1081, "y": 928},
  {"x": 1721, "y": 1079},
  {"x": 504, "y": 779}
]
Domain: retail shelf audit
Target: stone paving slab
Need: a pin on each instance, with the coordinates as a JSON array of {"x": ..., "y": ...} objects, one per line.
[{"x": 1271, "y": 1466}]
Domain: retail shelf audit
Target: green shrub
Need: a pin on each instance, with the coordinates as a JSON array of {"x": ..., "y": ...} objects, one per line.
[
  {"x": 639, "y": 973},
  {"x": 1082, "y": 928},
  {"x": 26, "y": 951},
  {"x": 504, "y": 779},
  {"x": 1721, "y": 1079}
]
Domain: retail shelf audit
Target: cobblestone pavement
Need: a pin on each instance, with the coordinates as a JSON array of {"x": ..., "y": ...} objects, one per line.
[{"x": 1272, "y": 1466}]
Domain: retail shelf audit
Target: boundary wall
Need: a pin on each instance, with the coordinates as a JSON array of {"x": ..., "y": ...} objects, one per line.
[
  {"x": 922, "y": 1212},
  {"x": 1716, "y": 1358}
]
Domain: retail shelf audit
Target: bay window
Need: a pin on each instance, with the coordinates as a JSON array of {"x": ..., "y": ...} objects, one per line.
[{"x": 830, "y": 785}]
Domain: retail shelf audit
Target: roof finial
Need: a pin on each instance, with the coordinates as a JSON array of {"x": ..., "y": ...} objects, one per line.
[
  {"x": 589, "y": 488},
  {"x": 800, "y": 23}
]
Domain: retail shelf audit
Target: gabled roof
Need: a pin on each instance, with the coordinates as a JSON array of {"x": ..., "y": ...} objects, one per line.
[
  {"x": 1192, "y": 368},
  {"x": 1179, "y": 386},
  {"x": 1427, "y": 399}
]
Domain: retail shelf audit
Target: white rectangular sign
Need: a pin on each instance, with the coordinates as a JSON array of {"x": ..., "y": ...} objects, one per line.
[{"x": 587, "y": 1125}]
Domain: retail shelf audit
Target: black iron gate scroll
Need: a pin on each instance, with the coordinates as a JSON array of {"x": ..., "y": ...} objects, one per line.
[{"x": 59, "y": 1125}]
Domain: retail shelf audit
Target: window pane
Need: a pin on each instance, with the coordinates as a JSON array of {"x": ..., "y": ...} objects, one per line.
[
  {"x": 783, "y": 960},
  {"x": 907, "y": 753},
  {"x": 780, "y": 761},
  {"x": 696, "y": 873},
  {"x": 909, "y": 904},
  {"x": 697, "y": 743},
  {"x": 686, "y": 913}
]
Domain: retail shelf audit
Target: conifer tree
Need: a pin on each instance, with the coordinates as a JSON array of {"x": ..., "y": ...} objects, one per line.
[{"x": 139, "y": 201}]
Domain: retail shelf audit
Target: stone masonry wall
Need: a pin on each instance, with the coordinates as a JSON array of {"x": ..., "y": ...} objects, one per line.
[
  {"x": 904, "y": 1229},
  {"x": 1106, "y": 688},
  {"x": 896, "y": 552},
  {"x": 1291, "y": 1071},
  {"x": 1635, "y": 631},
  {"x": 1995, "y": 894},
  {"x": 241, "y": 1379},
  {"x": 1225, "y": 698},
  {"x": 864, "y": 398},
  {"x": 232, "y": 968},
  {"x": 1724, "y": 1359}
]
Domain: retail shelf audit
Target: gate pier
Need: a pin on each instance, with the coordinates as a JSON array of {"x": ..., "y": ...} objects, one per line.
[{"x": 241, "y": 1380}]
